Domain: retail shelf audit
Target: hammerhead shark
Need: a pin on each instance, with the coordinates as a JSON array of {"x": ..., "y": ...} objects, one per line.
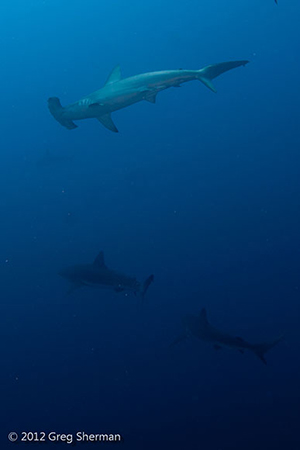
[
  {"x": 98, "y": 274},
  {"x": 199, "y": 327},
  {"x": 119, "y": 93}
]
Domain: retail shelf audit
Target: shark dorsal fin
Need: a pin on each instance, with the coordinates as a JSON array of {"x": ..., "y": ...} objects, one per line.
[
  {"x": 203, "y": 316},
  {"x": 99, "y": 261},
  {"x": 114, "y": 76}
]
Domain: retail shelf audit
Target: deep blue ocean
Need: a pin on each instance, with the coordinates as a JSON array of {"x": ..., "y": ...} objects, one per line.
[{"x": 201, "y": 189}]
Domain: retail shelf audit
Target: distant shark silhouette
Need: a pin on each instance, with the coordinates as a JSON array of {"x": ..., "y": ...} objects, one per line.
[
  {"x": 98, "y": 274},
  {"x": 199, "y": 327},
  {"x": 119, "y": 93}
]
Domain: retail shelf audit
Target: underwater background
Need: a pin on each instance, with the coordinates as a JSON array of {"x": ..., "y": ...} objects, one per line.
[{"x": 201, "y": 189}]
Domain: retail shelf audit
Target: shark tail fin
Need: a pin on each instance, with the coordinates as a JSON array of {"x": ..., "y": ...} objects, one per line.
[
  {"x": 208, "y": 73},
  {"x": 261, "y": 349},
  {"x": 57, "y": 110},
  {"x": 146, "y": 285}
]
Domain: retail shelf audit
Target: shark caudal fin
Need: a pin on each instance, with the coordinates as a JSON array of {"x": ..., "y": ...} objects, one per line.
[
  {"x": 261, "y": 349},
  {"x": 146, "y": 285},
  {"x": 207, "y": 74},
  {"x": 57, "y": 110}
]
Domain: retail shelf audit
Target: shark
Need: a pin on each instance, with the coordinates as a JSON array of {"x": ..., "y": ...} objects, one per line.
[
  {"x": 97, "y": 274},
  {"x": 118, "y": 93},
  {"x": 199, "y": 327}
]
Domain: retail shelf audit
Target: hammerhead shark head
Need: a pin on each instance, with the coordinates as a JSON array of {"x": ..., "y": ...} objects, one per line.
[
  {"x": 199, "y": 327},
  {"x": 98, "y": 274},
  {"x": 119, "y": 93}
]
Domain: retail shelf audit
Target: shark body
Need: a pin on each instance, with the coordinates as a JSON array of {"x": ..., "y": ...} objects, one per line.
[
  {"x": 99, "y": 275},
  {"x": 119, "y": 93},
  {"x": 199, "y": 327}
]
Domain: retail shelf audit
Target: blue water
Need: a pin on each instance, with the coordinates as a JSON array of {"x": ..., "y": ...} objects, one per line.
[{"x": 201, "y": 189}]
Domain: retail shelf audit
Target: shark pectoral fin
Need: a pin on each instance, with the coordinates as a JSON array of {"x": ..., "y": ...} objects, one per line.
[
  {"x": 107, "y": 121},
  {"x": 217, "y": 347},
  {"x": 114, "y": 76},
  {"x": 151, "y": 97}
]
